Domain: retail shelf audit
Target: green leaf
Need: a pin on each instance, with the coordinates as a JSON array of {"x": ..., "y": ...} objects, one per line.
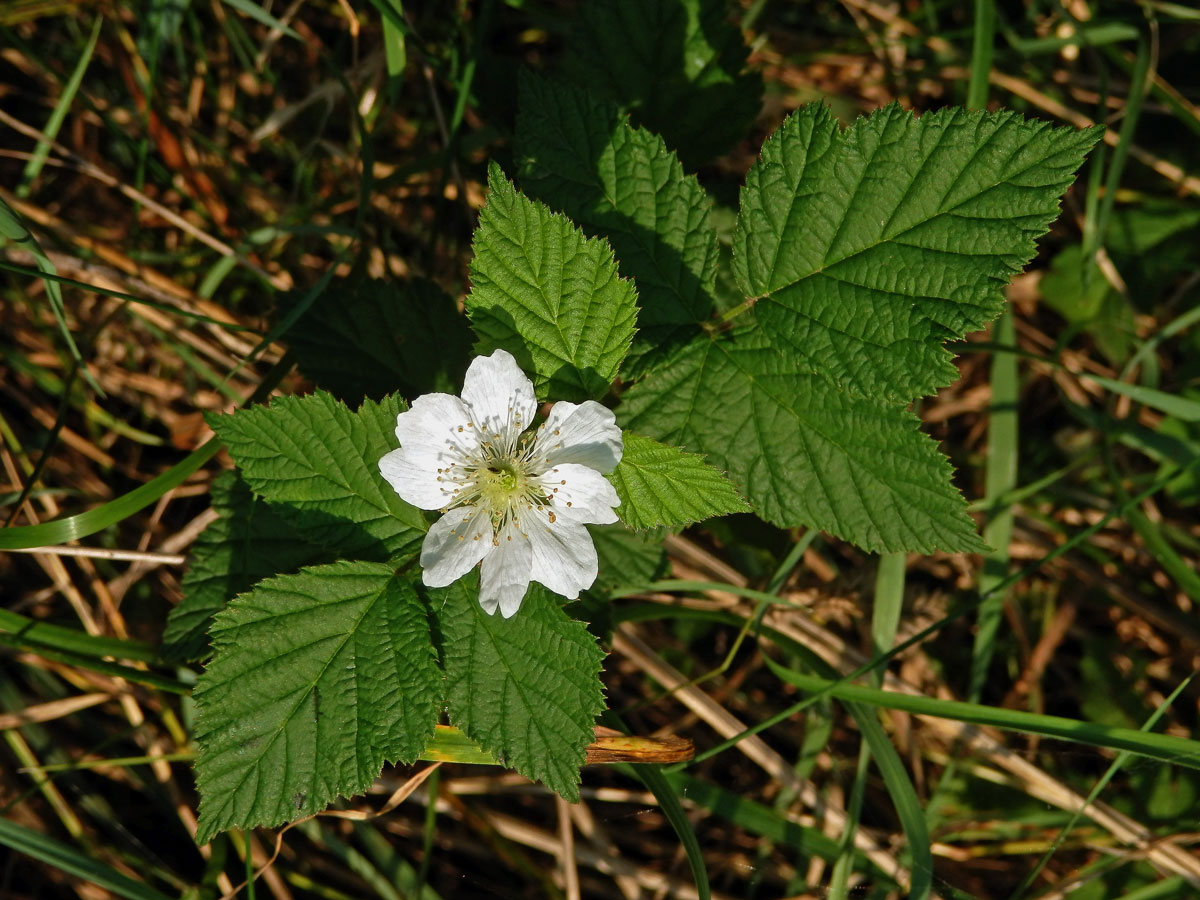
[
  {"x": 661, "y": 485},
  {"x": 548, "y": 295},
  {"x": 803, "y": 452},
  {"x": 526, "y": 688},
  {"x": 1077, "y": 290},
  {"x": 318, "y": 459},
  {"x": 378, "y": 338},
  {"x": 867, "y": 249},
  {"x": 317, "y": 679},
  {"x": 675, "y": 64},
  {"x": 248, "y": 541},
  {"x": 1136, "y": 229},
  {"x": 580, "y": 156}
]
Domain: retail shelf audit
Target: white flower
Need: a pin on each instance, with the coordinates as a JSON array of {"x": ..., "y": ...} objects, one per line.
[{"x": 515, "y": 501}]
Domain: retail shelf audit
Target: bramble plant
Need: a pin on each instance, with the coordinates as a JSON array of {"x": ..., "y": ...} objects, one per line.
[{"x": 359, "y": 616}]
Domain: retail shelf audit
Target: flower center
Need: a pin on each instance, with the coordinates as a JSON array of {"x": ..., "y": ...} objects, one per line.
[
  {"x": 500, "y": 483},
  {"x": 503, "y": 486}
]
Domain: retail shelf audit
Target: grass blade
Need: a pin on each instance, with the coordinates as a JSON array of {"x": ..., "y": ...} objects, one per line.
[
  {"x": 885, "y": 618},
  {"x": 1163, "y": 747},
  {"x": 1001, "y": 479},
  {"x": 66, "y": 859},
  {"x": 260, "y": 15},
  {"x": 656, "y": 782},
  {"x": 61, "y": 531},
  {"x": 69, "y": 640},
  {"x": 12, "y": 229},
  {"x": 982, "y": 46},
  {"x": 1116, "y": 766},
  {"x": 38, "y": 159}
]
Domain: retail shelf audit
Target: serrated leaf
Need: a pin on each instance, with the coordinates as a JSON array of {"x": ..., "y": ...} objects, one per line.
[
  {"x": 526, "y": 689},
  {"x": 579, "y": 155},
  {"x": 802, "y": 451},
  {"x": 661, "y": 485},
  {"x": 548, "y": 295},
  {"x": 318, "y": 459},
  {"x": 317, "y": 679},
  {"x": 248, "y": 541},
  {"x": 675, "y": 64},
  {"x": 867, "y": 249},
  {"x": 378, "y": 337}
]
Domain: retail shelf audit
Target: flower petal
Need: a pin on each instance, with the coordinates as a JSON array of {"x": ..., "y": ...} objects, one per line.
[
  {"x": 563, "y": 556},
  {"x": 579, "y": 494},
  {"x": 434, "y": 438},
  {"x": 455, "y": 543},
  {"x": 505, "y": 597},
  {"x": 413, "y": 473},
  {"x": 438, "y": 421},
  {"x": 504, "y": 575},
  {"x": 584, "y": 433},
  {"x": 500, "y": 397}
]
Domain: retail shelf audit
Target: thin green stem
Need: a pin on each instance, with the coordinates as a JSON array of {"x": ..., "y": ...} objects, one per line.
[{"x": 982, "y": 46}]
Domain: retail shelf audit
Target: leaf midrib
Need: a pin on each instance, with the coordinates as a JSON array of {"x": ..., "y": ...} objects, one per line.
[
  {"x": 308, "y": 691},
  {"x": 827, "y": 263}
]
